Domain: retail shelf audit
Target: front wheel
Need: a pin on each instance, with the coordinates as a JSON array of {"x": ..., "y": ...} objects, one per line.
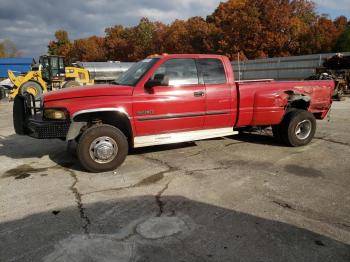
[
  {"x": 102, "y": 148},
  {"x": 298, "y": 128}
]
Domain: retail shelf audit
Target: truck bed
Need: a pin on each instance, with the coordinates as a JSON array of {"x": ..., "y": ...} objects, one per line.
[{"x": 263, "y": 102}]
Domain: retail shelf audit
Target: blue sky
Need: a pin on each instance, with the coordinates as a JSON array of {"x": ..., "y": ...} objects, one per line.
[
  {"x": 32, "y": 25},
  {"x": 334, "y": 8}
]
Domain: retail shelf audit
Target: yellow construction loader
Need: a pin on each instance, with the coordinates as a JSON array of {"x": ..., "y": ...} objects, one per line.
[{"x": 50, "y": 74}]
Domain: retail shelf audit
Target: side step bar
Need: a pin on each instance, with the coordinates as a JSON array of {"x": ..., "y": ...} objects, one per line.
[{"x": 172, "y": 138}]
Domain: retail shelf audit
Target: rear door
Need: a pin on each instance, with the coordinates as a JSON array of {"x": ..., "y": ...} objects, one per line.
[
  {"x": 174, "y": 108},
  {"x": 220, "y": 109}
]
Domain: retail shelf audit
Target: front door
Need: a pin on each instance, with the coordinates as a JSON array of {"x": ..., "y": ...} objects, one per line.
[{"x": 178, "y": 107}]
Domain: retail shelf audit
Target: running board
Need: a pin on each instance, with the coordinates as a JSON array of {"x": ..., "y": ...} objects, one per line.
[{"x": 172, "y": 138}]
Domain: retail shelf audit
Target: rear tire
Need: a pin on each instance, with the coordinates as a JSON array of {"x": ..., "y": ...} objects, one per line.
[
  {"x": 102, "y": 148},
  {"x": 298, "y": 128},
  {"x": 70, "y": 83},
  {"x": 33, "y": 88}
]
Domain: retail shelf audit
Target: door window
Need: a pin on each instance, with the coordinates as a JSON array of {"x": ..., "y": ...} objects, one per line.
[
  {"x": 180, "y": 72},
  {"x": 212, "y": 70}
]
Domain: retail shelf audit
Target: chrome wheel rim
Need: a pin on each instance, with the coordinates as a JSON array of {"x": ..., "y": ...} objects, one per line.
[
  {"x": 303, "y": 129},
  {"x": 103, "y": 150}
]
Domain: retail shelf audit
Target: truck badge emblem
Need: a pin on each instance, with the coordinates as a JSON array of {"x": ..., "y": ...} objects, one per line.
[{"x": 145, "y": 112}]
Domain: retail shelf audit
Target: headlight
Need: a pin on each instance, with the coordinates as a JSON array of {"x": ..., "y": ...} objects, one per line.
[{"x": 55, "y": 114}]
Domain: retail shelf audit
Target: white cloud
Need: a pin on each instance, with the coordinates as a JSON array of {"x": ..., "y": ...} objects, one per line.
[
  {"x": 339, "y": 4},
  {"x": 33, "y": 25}
]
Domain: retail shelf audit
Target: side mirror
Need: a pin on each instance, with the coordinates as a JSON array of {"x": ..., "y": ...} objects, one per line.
[{"x": 159, "y": 80}]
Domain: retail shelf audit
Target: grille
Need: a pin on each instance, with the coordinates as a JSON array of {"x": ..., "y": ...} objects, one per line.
[{"x": 46, "y": 130}]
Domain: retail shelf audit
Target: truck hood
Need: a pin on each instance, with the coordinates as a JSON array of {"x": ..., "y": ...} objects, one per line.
[{"x": 89, "y": 91}]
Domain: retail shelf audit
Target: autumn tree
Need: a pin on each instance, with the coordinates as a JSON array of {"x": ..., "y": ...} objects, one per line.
[
  {"x": 245, "y": 28},
  {"x": 134, "y": 43},
  {"x": 227, "y": 19},
  {"x": 323, "y": 35},
  {"x": 261, "y": 28},
  {"x": 9, "y": 49},
  {"x": 146, "y": 39},
  {"x": 88, "y": 49},
  {"x": 343, "y": 42},
  {"x": 194, "y": 35},
  {"x": 117, "y": 43},
  {"x": 2, "y": 50},
  {"x": 61, "y": 46},
  {"x": 176, "y": 38}
]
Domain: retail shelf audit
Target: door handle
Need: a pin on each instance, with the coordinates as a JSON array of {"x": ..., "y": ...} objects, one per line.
[{"x": 199, "y": 94}]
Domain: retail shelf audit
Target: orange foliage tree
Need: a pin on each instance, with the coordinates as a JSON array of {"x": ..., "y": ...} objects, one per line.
[
  {"x": 250, "y": 28},
  {"x": 134, "y": 43},
  {"x": 88, "y": 49},
  {"x": 194, "y": 35},
  {"x": 61, "y": 46}
]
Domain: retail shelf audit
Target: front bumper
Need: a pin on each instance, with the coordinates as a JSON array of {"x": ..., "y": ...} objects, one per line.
[
  {"x": 39, "y": 128},
  {"x": 28, "y": 120}
]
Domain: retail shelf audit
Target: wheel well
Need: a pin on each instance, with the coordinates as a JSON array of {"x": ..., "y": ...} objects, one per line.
[
  {"x": 116, "y": 119},
  {"x": 298, "y": 101}
]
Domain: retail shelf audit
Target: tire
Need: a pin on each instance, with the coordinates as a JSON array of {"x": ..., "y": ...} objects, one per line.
[
  {"x": 2, "y": 92},
  {"x": 33, "y": 88},
  {"x": 18, "y": 115},
  {"x": 109, "y": 136},
  {"x": 72, "y": 147},
  {"x": 70, "y": 83},
  {"x": 298, "y": 128},
  {"x": 276, "y": 131}
]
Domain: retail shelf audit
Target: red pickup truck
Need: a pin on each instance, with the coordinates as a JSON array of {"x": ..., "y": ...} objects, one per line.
[{"x": 170, "y": 99}]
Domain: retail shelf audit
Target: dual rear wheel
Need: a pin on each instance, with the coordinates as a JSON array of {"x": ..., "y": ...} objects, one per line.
[{"x": 297, "y": 128}]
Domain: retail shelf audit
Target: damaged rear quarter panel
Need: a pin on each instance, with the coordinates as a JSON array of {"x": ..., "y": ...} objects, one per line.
[{"x": 266, "y": 103}]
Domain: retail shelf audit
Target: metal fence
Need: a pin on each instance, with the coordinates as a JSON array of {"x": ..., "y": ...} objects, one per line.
[{"x": 280, "y": 68}]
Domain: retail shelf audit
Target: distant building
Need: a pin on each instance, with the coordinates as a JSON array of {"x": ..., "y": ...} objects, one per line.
[
  {"x": 17, "y": 65},
  {"x": 280, "y": 68}
]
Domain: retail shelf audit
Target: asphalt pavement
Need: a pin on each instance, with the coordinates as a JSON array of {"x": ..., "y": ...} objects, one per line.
[{"x": 239, "y": 198}]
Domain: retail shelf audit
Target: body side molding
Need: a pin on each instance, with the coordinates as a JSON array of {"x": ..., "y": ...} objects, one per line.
[{"x": 176, "y": 116}]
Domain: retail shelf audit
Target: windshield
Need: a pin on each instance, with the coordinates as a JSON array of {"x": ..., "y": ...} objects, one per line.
[{"x": 136, "y": 72}]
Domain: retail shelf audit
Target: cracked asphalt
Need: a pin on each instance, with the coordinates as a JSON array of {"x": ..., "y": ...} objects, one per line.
[{"x": 239, "y": 198}]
